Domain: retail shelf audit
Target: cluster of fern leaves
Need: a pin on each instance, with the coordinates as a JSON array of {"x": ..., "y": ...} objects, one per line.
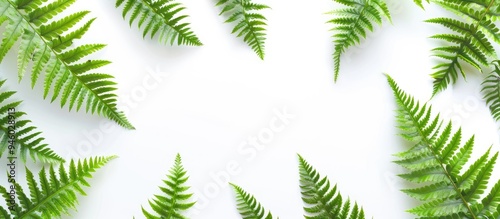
[
  {"x": 451, "y": 186},
  {"x": 321, "y": 200}
]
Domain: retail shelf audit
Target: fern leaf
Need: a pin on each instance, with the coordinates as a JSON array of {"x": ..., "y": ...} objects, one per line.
[
  {"x": 352, "y": 23},
  {"x": 248, "y": 206},
  {"x": 420, "y": 3},
  {"x": 18, "y": 132},
  {"x": 469, "y": 43},
  {"x": 46, "y": 43},
  {"x": 438, "y": 163},
  {"x": 321, "y": 199},
  {"x": 54, "y": 194},
  {"x": 491, "y": 90},
  {"x": 174, "y": 199},
  {"x": 250, "y": 24},
  {"x": 160, "y": 17}
]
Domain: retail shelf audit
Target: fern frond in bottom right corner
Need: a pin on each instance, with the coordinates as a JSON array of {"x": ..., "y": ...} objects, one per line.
[{"x": 451, "y": 185}]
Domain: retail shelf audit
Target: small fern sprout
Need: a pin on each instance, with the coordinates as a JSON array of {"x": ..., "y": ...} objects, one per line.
[
  {"x": 450, "y": 184},
  {"x": 54, "y": 194},
  {"x": 174, "y": 200},
  {"x": 160, "y": 17},
  {"x": 249, "y": 23},
  {"x": 351, "y": 24}
]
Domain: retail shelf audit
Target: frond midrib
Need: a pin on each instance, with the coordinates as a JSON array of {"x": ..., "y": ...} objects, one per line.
[
  {"x": 172, "y": 210},
  {"x": 108, "y": 108},
  {"x": 428, "y": 144},
  {"x": 245, "y": 17},
  {"x": 50, "y": 197}
]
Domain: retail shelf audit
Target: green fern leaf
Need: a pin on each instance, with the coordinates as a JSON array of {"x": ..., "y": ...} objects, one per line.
[
  {"x": 249, "y": 23},
  {"x": 46, "y": 43},
  {"x": 438, "y": 162},
  {"x": 470, "y": 42},
  {"x": 174, "y": 201},
  {"x": 54, "y": 194},
  {"x": 248, "y": 206},
  {"x": 352, "y": 23},
  {"x": 420, "y": 3},
  {"x": 491, "y": 90},
  {"x": 18, "y": 132},
  {"x": 321, "y": 199},
  {"x": 160, "y": 17}
]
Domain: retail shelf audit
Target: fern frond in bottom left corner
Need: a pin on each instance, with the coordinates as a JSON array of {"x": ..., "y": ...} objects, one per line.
[{"x": 54, "y": 194}]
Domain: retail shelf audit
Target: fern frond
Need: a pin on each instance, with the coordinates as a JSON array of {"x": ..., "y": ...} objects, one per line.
[
  {"x": 321, "y": 199},
  {"x": 174, "y": 199},
  {"x": 54, "y": 194},
  {"x": 46, "y": 45},
  {"x": 18, "y": 132},
  {"x": 352, "y": 23},
  {"x": 420, "y": 3},
  {"x": 491, "y": 90},
  {"x": 160, "y": 17},
  {"x": 469, "y": 42},
  {"x": 248, "y": 206},
  {"x": 438, "y": 162},
  {"x": 250, "y": 24}
]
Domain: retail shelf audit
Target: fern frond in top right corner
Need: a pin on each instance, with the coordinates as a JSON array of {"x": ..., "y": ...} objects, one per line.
[
  {"x": 351, "y": 24},
  {"x": 450, "y": 184},
  {"x": 469, "y": 42}
]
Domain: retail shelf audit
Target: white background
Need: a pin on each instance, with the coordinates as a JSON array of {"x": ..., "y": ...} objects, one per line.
[{"x": 209, "y": 100}]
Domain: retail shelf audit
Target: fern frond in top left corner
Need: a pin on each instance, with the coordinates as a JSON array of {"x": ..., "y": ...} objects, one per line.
[
  {"x": 46, "y": 45},
  {"x": 18, "y": 138}
]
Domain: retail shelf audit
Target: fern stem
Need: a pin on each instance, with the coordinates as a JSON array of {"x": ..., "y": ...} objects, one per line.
[
  {"x": 428, "y": 143},
  {"x": 109, "y": 109}
]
